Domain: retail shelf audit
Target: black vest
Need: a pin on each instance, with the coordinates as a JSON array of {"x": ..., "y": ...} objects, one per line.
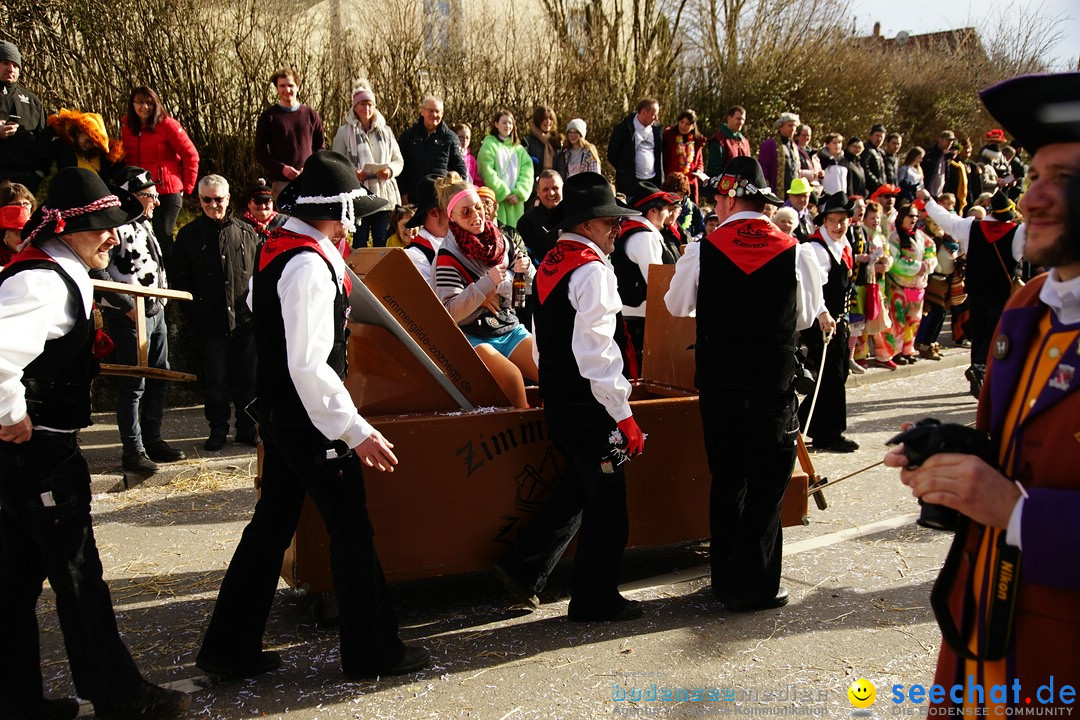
[
  {"x": 560, "y": 377},
  {"x": 860, "y": 245},
  {"x": 838, "y": 282},
  {"x": 633, "y": 286},
  {"x": 986, "y": 276},
  {"x": 278, "y": 399},
  {"x": 58, "y": 380},
  {"x": 747, "y": 275}
]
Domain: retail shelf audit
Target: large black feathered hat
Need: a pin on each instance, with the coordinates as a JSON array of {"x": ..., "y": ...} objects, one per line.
[
  {"x": 743, "y": 178},
  {"x": 328, "y": 189},
  {"x": 1037, "y": 110},
  {"x": 1001, "y": 206},
  {"x": 834, "y": 203},
  {"x": 78, "y": 201},
  {"x": 424, "y": 198},
  {"x": 587, "y": 196}
]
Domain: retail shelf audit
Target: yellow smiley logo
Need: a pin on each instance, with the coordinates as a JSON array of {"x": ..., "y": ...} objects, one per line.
[{"x": 862, "y": 693}]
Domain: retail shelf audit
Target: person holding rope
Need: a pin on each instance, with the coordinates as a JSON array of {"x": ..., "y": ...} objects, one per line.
[
  {"x": 1020, "y": 528},
  {"x": 746, "y": 377}
]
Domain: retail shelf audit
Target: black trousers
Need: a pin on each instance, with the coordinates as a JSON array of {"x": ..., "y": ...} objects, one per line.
[
  {"x": 294, "y": 464},
  {"x": 984, "y": 315},
  {"x": 229, "y": 371},
  {"x": 57, "y": 542},
  {"x": 750, "y": 444},
  {"x": 830, "y": 414},
  {"x": 585, "y": 498},
  {"x": 164, "y": 222}
]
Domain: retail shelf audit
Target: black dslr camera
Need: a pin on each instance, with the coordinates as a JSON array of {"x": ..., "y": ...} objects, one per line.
[{"x": 929, "y": 437}]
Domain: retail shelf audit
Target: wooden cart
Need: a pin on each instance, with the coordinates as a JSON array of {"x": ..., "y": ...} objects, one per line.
[{"x": 473, "y": 469}]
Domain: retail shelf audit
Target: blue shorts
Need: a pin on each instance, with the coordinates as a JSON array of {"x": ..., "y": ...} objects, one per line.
[{"x": 504, "y": 343}]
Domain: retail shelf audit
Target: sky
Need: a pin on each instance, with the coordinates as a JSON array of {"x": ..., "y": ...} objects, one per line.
[{"x": 922, "y": 16}]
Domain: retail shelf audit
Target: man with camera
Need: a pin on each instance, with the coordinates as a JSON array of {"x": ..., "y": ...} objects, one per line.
[{"x": 1006, "y": 599}]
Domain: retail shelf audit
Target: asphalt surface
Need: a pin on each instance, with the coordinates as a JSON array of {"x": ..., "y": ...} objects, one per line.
[{"x": 859, "y": 575}]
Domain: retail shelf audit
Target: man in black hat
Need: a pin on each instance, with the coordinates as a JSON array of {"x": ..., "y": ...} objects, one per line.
[
  {"x": 315, "y": 441},
  {"x": 434, "y": 226},
  {"x": 993, "y": 247},
  {"x": 836, "y": 260},
  {"x": 587, "y": 409},
  {"x": 1021, "y": 507},
  {"x": 640, "y": 244},
  {"x": 260, "y": 213},
  {"x": 213, "y": 260},
  {"x": 746, "y": 377},
  {"x": 140, "y": 402},
  {"x": 47, "y": 360},
  {"x": 23, "y": 158}
]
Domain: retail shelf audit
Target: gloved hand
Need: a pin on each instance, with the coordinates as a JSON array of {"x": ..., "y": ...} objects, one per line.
[{"x": 635, "y": 439}]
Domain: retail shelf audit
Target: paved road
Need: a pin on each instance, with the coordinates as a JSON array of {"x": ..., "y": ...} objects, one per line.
[{"x": 859, "y": 575}]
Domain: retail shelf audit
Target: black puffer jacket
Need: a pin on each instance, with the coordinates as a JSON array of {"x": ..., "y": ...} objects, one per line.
[
  {"x": 214, "y": 261},
  {"x": 24, "y": 157},
  {"x": 427, "y": 153}
]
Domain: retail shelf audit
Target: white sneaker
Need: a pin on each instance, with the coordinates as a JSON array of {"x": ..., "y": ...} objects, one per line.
[{"x": 856, "y": 368}]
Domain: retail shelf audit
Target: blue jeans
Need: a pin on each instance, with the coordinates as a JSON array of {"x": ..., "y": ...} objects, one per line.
[
  {"x": 375, "y": 226},
  {"x": 140, "y": 402}
]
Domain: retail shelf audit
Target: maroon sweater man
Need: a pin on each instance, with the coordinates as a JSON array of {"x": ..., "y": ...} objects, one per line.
[{"x": 287, "y": 132}]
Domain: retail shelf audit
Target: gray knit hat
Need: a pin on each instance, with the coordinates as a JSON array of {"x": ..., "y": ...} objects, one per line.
[{"x": 10, "y": 53}]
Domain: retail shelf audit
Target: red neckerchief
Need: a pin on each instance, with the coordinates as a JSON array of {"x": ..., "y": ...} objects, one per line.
[
  {"x": 282, "y": 240},
  {"x": 994, "y": 230},
  {"x": 561, "y": 260},
  {"x": 846, "y": 258},
  {"x": 261, "y": 227},
  {"x": 750, "y": 243},
  {"x": 487, "y": 248}
]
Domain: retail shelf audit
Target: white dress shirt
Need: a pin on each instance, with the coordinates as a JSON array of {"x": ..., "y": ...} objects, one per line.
[
  {"x": 307, "y": 291},
  {"x": 959, "y": 229},
  {"x": 593, "y": 292},
  {"x": 425, "y": 266},
  {"x": 35, "y": 307},
  {"x": 681, "y": 297},
  {"x": 644, "y": 248},
  {"x": 644, "y": 151}
]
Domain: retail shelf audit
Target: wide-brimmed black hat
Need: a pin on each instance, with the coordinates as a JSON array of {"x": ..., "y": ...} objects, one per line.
[
  {"x": 1037, "y": 110},
  {"x": 133, "y": 179},
  {"x": 328, "y": 189},
  {"x": 648, "y": 196},
  {"x": 834, "y": 203},
  {"x": 587, "y": 196},
  {"x": 424, "y": 198},
  {"x": 1001, "y": 206},
  {"x": 743, "y": 178},
  {"x": 79, "y": 200}
]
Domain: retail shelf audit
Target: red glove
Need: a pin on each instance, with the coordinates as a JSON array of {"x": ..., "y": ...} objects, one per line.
[
  {"x": 635, "y": 440},
  {"x": 103, "y": 345}
]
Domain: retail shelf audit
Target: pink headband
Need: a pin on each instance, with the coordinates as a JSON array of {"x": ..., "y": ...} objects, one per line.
[
  {"x": 363, "y": 95},
  {"x": 461, "y": 196}
]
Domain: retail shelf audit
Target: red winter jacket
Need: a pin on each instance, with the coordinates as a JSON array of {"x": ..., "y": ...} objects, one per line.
[{"x": 167, "y": 152}]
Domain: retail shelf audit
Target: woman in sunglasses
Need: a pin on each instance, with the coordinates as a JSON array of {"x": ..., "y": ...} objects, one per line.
[
  {"x": 474, "y": 273},
  {"x": 914, "y": 258}
]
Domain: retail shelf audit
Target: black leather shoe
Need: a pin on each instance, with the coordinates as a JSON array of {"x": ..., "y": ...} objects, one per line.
[
  {"x": 162, "y": 451},
  {"x": 631, "y": 610},
  {"x": 415, "y": 658},
  {"x": 268, "y": 661},
  {"x": 49, "y": 709},
  {"x": 840, "y": 444},
  {"x": 214, "y": 442},
  {"x": 516, "y": 589},
  {"x": 247, "y": 438},
  {"x": 149, "y": 703},
  {"x": 139, "y": 463},
  {"x": 780, "y": 600}
]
